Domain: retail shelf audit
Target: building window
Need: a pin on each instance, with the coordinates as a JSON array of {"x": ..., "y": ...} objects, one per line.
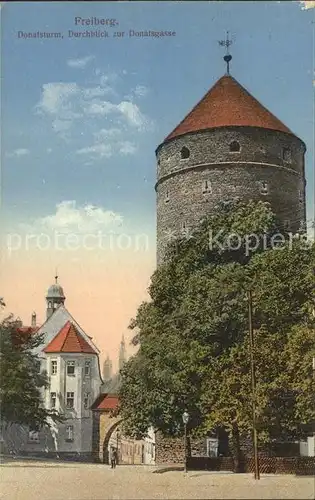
[
  {"x": 206, "y": 187},
  {"x": 301, "y": 197},
  {"x": 54, "y": 367},
  {"x": 184, "y": 153},
  {"x": 167, "y": 197},
  {"x": 53, "y": 400},
  {"x": 264, "y": 188},
  {"x": 70, "y": 368},
  {"x": 87, "y": 368},
  {"x": 70, "y": 400},
  {"x": 69, "y": 433},
  {"x": 33, "y": 436},
  {"x": 286, "y": 154},
  {"x": 86, "y": 400},
  {"x": 235, "y": 147}
]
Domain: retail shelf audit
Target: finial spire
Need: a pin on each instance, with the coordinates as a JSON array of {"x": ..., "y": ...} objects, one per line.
[
  {"x": 56, "y": 276},
  {"x": 227, "y": 58}
]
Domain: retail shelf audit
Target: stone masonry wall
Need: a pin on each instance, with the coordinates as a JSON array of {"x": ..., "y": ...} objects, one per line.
[
  {"x": 231, "y": 175},
  {"x": 172, "y": 450}
]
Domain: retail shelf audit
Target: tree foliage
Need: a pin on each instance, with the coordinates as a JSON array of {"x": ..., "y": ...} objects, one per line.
[
  {"x": 193, "y": 333},
  {"x": 21, "y": 382}
]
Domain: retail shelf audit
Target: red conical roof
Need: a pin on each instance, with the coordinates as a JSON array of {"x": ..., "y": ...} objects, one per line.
[
  {"x": 69, "y": 340},
  {"x": 227, "y": 104}
]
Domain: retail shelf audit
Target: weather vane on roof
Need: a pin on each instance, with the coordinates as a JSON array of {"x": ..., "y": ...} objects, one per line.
[{"x": 226, "y": 43}]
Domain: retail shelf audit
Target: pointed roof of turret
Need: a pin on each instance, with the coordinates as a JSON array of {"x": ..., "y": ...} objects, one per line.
[
  {"x": 69, "y": 339},
  {"x": 227, "y": 104}
]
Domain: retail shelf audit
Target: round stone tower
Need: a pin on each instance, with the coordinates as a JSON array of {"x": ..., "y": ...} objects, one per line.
[{"x": 229, "y": 146}]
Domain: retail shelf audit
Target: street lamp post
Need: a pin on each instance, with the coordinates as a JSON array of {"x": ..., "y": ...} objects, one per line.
[
  {"x": 253, "y": 380},
  {"x": 185, "y": 421},
  {"x": 117, "y": 443},
  {"x": 314, "y": 422}
]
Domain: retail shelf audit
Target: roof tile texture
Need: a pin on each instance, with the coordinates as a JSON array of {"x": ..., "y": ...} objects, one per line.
[
  {"x": 69, "y": 340},
  {"x": 227, "y": 103}
]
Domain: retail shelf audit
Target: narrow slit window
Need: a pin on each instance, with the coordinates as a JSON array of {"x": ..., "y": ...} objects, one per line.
[
  {"x": 167, "y": 197},
  {"x": 264, "y": 188},
  {"x": 184, "y": 153},
  {"x": 206, "y": 187},
  {"x": 235, "y": 147}
]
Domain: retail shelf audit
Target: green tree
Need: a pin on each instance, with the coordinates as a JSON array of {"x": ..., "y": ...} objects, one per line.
[
  {"x": 21, "y": 381},
  {"x": 193, "y": 333}
]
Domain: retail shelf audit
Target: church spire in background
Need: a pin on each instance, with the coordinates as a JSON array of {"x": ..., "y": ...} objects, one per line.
[
  {"x": 107, "y": 369},
  {"x": 122, "y": 353}
]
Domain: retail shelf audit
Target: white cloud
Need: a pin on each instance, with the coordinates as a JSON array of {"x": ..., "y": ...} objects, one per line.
[
  {"x": 141, "y": 91},
  {"x": 80, "y": 63},
  {"x": 127, "y": 148},
  {"x": 97, "y": 150},
  {"x": 75, "y": 111},
  {"x": 17, "y": 153},
  {"x": 68, "y": 217},
  {"x": 132, "y": 114},
  {"x": 308, "y": 4},
  {"x": 107, "y": 133},
  {"x": 108, "y": 142},
  {"x": 99, "y": 108},
  {"x": 56, "y": 97}
]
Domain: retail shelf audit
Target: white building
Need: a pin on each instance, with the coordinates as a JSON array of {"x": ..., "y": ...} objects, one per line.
[{"x": 71, "y": 361}]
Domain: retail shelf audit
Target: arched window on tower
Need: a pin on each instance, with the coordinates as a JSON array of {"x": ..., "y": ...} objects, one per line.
[
  {"x": 167, "y": 197},
  {"x": 264, "y": 188},
  {"x": 206, "y": 187},
  {"x": 49, "y": 305},
  {"x": 184, "y": 153},
  {"x": 235, "y": 147}
]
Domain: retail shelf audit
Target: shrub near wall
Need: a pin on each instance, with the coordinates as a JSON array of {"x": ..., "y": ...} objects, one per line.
[{"x": 267, "y": 465}]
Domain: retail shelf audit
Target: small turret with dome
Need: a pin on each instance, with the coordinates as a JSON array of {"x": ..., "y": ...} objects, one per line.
[{"x": 55, "y": 297}]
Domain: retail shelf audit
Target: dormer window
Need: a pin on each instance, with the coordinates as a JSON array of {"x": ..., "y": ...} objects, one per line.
[
  {"x": 167, "y": 197},
  {"x": 206, "y": 187},
  {"x": 235, "y": 147},
  {"x": 264, "y": 188},
  {"x": 184, "y": 153},
  {"x": 286, "y": 155}
]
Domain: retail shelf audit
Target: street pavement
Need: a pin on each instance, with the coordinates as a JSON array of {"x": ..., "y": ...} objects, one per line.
[{"x": 39, "y": 480}]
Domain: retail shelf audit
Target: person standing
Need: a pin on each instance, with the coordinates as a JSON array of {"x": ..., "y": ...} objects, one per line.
[{"x": 113, "y": 458}]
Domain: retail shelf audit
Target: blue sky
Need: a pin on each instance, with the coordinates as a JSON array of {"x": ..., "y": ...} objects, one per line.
[
  {"x": 81, "y": 119},
  {"x": 52, "y": 149}
]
